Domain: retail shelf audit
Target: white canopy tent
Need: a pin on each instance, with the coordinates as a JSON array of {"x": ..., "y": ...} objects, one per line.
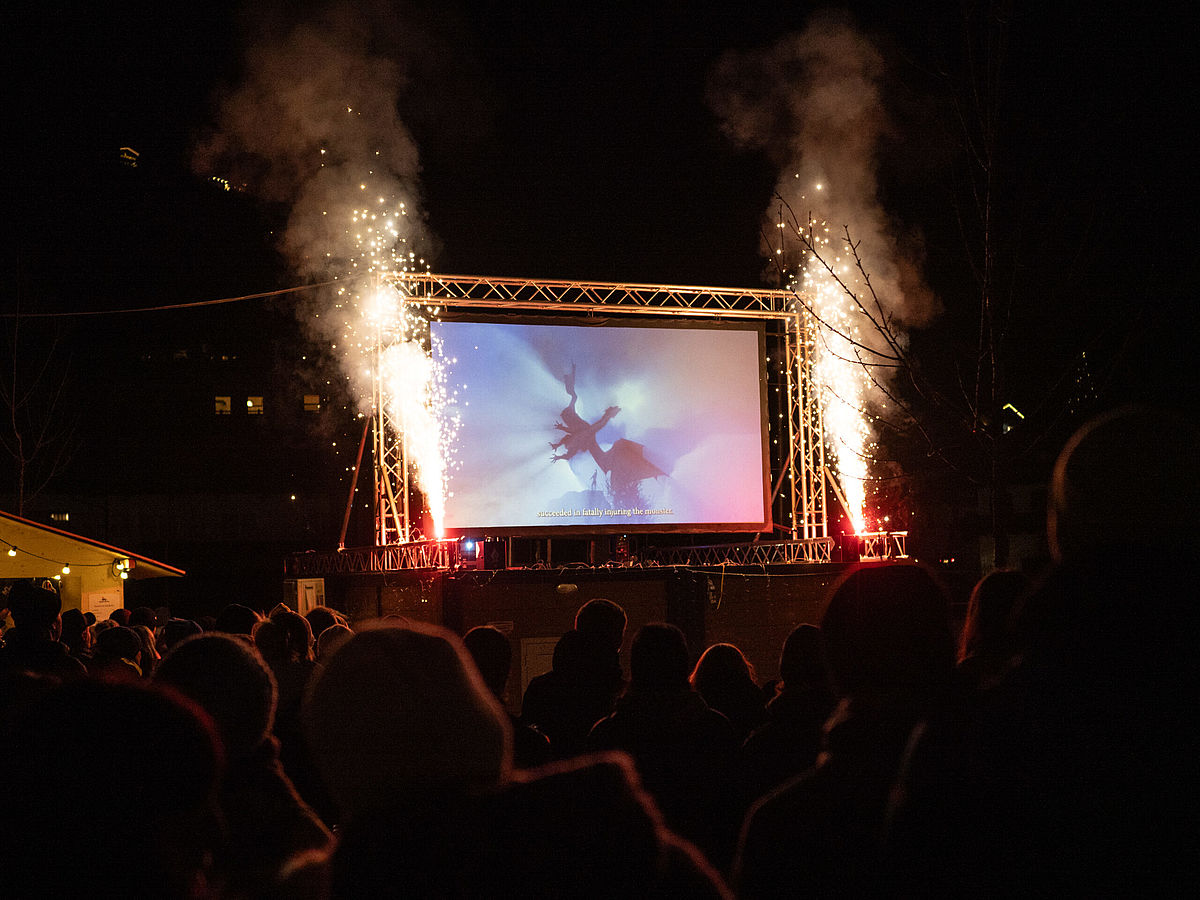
[{"x": 91, "y": 574}]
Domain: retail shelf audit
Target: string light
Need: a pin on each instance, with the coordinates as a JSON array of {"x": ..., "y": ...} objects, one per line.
[{"x": 119, "y": 567}]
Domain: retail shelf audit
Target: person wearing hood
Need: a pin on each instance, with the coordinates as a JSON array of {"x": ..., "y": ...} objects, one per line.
[{"x": 417, "y": 753}]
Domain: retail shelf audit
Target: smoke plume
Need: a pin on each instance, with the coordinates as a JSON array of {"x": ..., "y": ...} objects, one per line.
[
  {"x": 313, "y": 125},
  {"x": 814, "y": 103}
]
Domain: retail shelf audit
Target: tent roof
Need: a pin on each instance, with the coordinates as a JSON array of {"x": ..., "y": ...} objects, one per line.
[{"x": 42, "y": 551}]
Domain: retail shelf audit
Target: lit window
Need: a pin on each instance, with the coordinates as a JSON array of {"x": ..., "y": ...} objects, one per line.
[
  {"x": 254, "y": 406},
  {"x": 312, "y": 402},
  {"x": 224, "y": 406},
  {"x": 60, "y": 517}
]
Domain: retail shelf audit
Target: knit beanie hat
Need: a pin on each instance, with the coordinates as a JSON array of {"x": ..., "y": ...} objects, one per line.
[
  {"x": 400, "y": 714},
  {"x": 228, "y": 679}
]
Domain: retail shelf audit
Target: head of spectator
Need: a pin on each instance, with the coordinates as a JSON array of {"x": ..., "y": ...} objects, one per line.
[
  {"x": 725, "y": 680},
  {"x": 400, "y": 716},
  {"x": 322, "y": 617},
  {"x": 1140, "y": 462},
  {"x": 237, "y": 619},
  {"x": 492, "y": 653},
  {"x": 34, "y": 609},
  {"x": 330, "y": 639},
  {"x": 143, "y": 615},
  {"x": 800, "y": 662},
  {"x": 54, "y": 799},
  {"x": 120, "y": 616},
  {"x": 987, "y": 628},
  {"x": 582, "y": 656},
  {"x": 89, "y": 618},
  {"x": 603, "y": 618},
  {"x": 229, "y": 680},
  {"x": 297, "y": 635},
  {"x": 886, "y": 631},
  {"x": 150, "y": 655},
  {"x": 174, "y": 631},
  {"x": 267, "y": 823},
  {"x": 719, "y": 665},
  {"x": 271, "y": 640},
  {"x": 658, "y": 659},
  {"x": 103, "y": 626},
  {"x": 118, "y": 653},
  {"x": 1121, "y": 500},
  {"x": 75, "y": 632}
]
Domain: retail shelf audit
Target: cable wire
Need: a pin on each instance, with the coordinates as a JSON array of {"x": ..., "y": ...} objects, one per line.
[{"x": 171, "y": 306}]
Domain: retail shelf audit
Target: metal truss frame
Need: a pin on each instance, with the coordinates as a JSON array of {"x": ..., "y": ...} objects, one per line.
[
  {"x": 804, "y": 468},
  {"x": 592, "y": 296},
  {"x": 408, "y": 555},
  {"x": 752, "y": 553},
  {"x": 879, "y": 545}
]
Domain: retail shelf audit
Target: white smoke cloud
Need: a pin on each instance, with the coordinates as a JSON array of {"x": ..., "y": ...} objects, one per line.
[
  {"x": 313, "y": 124},
  {"x": 814, "y": 102}
]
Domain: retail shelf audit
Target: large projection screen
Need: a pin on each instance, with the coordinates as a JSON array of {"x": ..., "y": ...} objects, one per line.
[{"x": 605, "y": 428}]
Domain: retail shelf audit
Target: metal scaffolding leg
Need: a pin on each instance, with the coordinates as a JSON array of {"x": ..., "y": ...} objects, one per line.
[
  {"x": 392, "y": 524},
  {"x": 805, "y": 433}
]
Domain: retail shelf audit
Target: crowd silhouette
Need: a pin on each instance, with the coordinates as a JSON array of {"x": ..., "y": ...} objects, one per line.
[{"x": 1046, "y": 747}]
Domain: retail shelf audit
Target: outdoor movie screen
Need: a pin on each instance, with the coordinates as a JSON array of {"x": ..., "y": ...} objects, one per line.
[{"x": 648, "y": 427}]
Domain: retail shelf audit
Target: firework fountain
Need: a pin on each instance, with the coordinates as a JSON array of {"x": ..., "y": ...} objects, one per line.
[
  {"x": 393, "y": 367},
  {"x": 827, "y": 280}
]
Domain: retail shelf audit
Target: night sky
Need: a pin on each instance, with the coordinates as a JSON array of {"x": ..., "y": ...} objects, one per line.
[{"x": 561, "y": 142}]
